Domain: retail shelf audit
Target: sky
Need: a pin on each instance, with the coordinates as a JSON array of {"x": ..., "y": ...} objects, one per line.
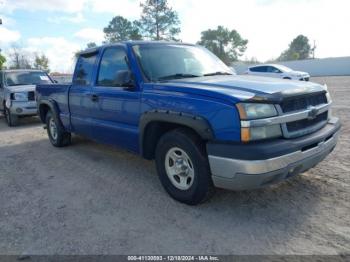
[{"x": 59, "y": 28}]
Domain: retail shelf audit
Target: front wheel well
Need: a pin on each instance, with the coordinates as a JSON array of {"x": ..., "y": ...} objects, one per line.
[{"x": 154, "y": 131}]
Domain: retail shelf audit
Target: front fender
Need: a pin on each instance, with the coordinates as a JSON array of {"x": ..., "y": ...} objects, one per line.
[{"x": 200, "y": 125}]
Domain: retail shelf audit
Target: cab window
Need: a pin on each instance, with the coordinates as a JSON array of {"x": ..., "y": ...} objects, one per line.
[
  {"x": 113, "y": 62},
  {"x": 84, "y": 70}
]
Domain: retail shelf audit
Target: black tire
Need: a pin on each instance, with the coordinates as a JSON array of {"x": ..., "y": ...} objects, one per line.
[
  {"x": 11, "y": 119},
  {"x": 61, "y": 138},
  {"x": 202, "y": 187},
  {"x": 287, "y": 78}
]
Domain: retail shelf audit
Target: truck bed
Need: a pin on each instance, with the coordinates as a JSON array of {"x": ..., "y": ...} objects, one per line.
[{"x": 57, "y": 93}]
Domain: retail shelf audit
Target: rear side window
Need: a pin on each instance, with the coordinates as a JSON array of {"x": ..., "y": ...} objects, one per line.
[
  {"x": 260, "y": 69},
  {"x": 84, "y": 70},
  {"x": 114, "y": 61}
]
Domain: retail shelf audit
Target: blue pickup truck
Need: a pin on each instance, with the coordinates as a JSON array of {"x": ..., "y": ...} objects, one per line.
[{"x": 204, "y": 126}]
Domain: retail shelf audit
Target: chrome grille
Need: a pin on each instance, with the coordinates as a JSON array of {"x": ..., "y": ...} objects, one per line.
[
  {"x": 307, "y": 125},
  {"x": 31, "y": 96},
  {"x": 300, "y": 103}
]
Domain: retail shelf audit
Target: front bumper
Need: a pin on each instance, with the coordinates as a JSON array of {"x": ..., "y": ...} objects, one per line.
[
  {"x": 24, "y": 108},
  {"x": 265, "y": 163},
  {"x": 305, "y": 78}
]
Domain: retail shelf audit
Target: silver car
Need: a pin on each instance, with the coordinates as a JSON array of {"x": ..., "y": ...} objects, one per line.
[
  {"x": 17, "y": 93},
  {"x": 277, "y": 71}
]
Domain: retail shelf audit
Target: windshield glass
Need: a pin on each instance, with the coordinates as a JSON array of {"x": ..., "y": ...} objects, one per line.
[
  {"x": 171, "y": 61},
  {"x": 26, "y": 78}
]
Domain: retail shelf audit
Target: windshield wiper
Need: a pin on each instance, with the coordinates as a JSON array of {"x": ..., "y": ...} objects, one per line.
[
  {"x": 176, "y": 76},
  {"x": 217, "y": 74}
]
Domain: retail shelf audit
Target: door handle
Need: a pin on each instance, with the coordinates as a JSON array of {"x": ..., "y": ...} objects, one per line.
[{"x": 94, "y": 97}]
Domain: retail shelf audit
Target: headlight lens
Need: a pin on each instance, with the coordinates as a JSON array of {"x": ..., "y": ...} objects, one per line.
[
  {"x": 261, "y": 132},
  {"x": 329, "y": 99},
  {"x": 20, "y": 96},
  {"x": 249, "y": 111}
]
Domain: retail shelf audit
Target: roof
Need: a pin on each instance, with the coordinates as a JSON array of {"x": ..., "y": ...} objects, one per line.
[
  {"x": 264, "y": 65},
  {"x": 133, "y": 42},
  {"x": 21, "y": 70}
]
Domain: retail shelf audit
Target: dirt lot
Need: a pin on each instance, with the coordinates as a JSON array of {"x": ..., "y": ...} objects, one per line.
[{"x": 94, "y": 199}]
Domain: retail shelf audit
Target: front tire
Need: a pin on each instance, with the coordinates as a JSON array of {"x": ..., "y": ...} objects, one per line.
[
  {"x": 11, "y": 119},
  {"x": 57, "y": 135},
  {"x": 183, "y": 166}
]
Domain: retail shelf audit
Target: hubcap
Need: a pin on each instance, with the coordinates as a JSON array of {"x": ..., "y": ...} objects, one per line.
[
  {"x": 53, "y": 128},
  {"x": 179, "y": 168}
]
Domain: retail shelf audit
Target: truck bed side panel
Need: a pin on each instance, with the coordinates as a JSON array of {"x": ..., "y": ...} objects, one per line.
[{"x": 58, "y": 94}]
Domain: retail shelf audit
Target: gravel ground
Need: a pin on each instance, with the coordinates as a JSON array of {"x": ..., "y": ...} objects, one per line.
[{"x": 94, "y": 199}]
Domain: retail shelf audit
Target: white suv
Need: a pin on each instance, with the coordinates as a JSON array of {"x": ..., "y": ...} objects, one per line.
[
  {"x": 277, "y": 71},
  {"x": 17, "y": 93}
]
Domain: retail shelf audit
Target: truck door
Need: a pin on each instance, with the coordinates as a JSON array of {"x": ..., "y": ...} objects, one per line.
[
  {"x": 80, "y": 99},
  {"x": 116, "y": 109}
]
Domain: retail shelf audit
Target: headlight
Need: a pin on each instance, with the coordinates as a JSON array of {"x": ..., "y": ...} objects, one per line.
[
  {"x": 249, "y": 111},
  {"x": 20, "y": 96},
  {"x": 328, "y": 96},
  {"x": 329, "y": 100},
  {"x": 259, "y": 133}
]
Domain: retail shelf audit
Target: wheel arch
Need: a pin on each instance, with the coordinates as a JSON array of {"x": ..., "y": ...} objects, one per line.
[
  {"x": 154, "y": 124},
  {"x": 46, "y": 106}
]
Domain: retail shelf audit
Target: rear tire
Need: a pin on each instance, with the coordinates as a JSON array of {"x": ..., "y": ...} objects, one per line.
[
  {"x": 183, "y": 166},
  {"x": 287, "y": 78},
  {"x": 57, "y": 135},
  {"x": 11, "y": 119}
]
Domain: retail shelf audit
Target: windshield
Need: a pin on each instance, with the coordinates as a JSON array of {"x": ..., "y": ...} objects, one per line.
[
  {"x": 171, "y": 61},
  {"x": 26, "y": 78}
]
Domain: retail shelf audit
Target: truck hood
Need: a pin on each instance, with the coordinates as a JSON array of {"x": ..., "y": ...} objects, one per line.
[
  {"x": 241, "y": 87},
  {"x": 22, "y": 88}
]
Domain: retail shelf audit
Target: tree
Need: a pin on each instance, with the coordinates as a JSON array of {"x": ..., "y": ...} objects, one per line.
[
  {"x": 227, "y": 45},
  {"x": 19, "y": 59},
  {"x": 121, "y": 29},
  {"x": 159, "y": 21},
  {"x": 91, "y": 45},
  {"x": 41, "y": 62},
  {"x": 2, "y": 60},
  {"x": 88, "y": 45},
  {"x": 298, "y": 49}
]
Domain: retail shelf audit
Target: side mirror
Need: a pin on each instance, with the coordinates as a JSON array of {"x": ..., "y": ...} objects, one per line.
[{"x": 125, "y": 78}]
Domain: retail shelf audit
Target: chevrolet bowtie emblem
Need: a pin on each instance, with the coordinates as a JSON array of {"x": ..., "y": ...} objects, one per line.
[{"x": 312, "y": 113}]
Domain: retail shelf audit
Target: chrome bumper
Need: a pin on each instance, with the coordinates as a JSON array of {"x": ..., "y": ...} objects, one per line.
[{"x": 238, "y": 174}]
